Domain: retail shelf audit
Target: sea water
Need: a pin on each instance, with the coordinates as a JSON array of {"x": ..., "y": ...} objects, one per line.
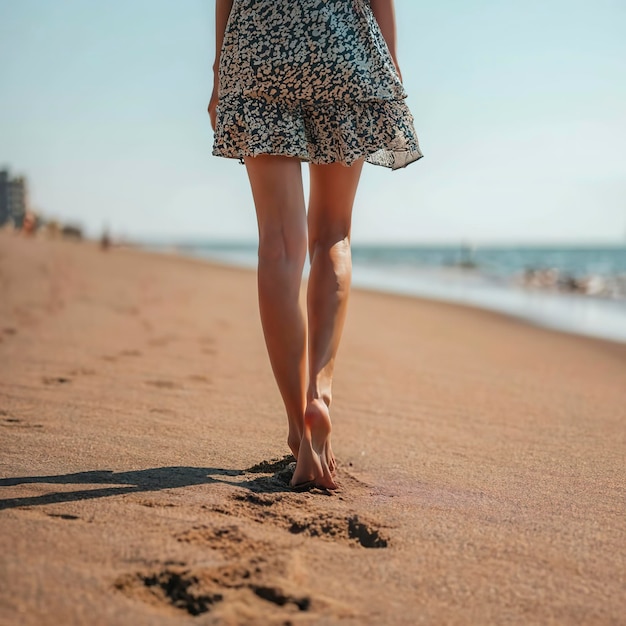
[{"x": 579, "y": 289}]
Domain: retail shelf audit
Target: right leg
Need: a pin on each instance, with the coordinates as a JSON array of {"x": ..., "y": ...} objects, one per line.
[
  {"x": 276, "y": 183},
  {"x": 333, "y": 188}
]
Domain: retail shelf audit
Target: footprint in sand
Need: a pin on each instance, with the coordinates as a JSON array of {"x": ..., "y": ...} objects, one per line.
[
  {"x": 154, "y": 504},
  {"x": 256, "y": 576},
  {"x": 352, "y": 527},
  {"x": 161, "y": 341},
  {"x": 112, "y": 358},
  {"x": 229, "y": 540},
  {"x": 163, "y": 384},
  {"x": 10, "y": 421},
  {"x": 207, "y": 345},
  {"x": 130, "y": 353},
  {"x": 178, "y": 588},
  {"x": 55, "y": 380},
  {"x": 268, "y": 498},
  {"x": 14, "y": 422},
  {"x": 257, "y": 580},
  {"x": 83, "y": 371},
  {"x": 349, "y": 528},
  {"x": 199, "y": 378},
  {"x": 251, "y": 585},
  {"x": 6, "y": 420},
  {"x": 161, "y": 411}
]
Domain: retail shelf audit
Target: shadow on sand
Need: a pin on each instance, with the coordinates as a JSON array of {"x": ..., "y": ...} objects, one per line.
[{"x": 271, "y": 477}]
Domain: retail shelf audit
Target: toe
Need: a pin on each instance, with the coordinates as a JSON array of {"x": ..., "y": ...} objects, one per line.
[{"x": 327, "y": 479}]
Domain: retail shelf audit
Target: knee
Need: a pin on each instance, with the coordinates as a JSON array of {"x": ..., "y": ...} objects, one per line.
[
  {"x": 332, "y": 244},
  {"x": 279, "y": 247},
  {"x": 328, "y": 232}
]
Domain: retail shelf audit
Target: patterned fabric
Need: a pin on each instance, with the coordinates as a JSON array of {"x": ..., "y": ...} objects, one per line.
[{"x": 312, "y": 79}]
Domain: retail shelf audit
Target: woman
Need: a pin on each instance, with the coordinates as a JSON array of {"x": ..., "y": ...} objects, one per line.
[{"x": 315, "y": 81}]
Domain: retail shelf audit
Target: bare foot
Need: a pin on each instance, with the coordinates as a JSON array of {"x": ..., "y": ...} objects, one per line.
[{"x": 314, "y": 453}]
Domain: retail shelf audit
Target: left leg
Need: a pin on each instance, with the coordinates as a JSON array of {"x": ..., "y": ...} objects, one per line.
[
  {"x": 276, "y": 183},
  {"x": 333, "y": 188}
]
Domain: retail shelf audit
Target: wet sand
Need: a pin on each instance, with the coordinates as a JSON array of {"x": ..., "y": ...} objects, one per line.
[{"x": 142, "y": 478}]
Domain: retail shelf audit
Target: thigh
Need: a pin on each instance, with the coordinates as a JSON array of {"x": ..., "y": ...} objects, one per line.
[
  {"x": 276, "y": 183},
  {"x": 333, "y": 188}
]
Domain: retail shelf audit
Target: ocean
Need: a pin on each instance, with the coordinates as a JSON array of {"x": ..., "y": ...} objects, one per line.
[{"x": 578, "y": 289}]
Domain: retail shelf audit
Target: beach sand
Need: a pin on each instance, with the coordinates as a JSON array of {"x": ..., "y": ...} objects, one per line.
[{"x": 481, "y": 459}]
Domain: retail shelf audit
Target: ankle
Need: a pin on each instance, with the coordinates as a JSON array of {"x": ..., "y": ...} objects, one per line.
[{"x": 317, "y": 394}]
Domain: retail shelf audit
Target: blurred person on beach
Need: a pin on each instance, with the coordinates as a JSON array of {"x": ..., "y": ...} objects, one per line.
[
  {"x": 105, "y": 239},
  {"x": 315, "y": 81},
  {"x": 29, "y": 225}
]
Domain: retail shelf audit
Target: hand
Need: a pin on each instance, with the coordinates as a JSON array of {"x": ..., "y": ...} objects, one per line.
[{"x": 212, "y": 109}]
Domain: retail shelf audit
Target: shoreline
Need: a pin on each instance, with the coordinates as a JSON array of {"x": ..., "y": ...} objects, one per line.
[
  {"x": 536, "y": 308},
  {"x": 143, "y": 476}
]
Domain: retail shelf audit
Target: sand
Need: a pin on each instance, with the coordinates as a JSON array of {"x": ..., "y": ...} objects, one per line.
[{"x": 142, "y": 478}]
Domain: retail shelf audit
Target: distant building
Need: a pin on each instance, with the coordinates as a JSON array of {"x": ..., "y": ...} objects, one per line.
[
  {"x": 18, "y": 200},
  {"x": 5, "y": 214},
  {"x": 13, "y": 199}
]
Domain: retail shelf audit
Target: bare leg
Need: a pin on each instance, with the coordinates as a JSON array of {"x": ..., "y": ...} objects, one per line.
[
  {"x": 279, "y": 200},
  {"x": 333, "y": 188}
]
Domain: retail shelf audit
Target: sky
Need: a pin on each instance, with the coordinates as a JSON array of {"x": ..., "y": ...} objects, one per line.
[{"x": 520, "y": 108}]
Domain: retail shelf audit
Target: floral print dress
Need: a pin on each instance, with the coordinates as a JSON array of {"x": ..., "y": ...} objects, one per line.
[{"x": 312, "y": 79}]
